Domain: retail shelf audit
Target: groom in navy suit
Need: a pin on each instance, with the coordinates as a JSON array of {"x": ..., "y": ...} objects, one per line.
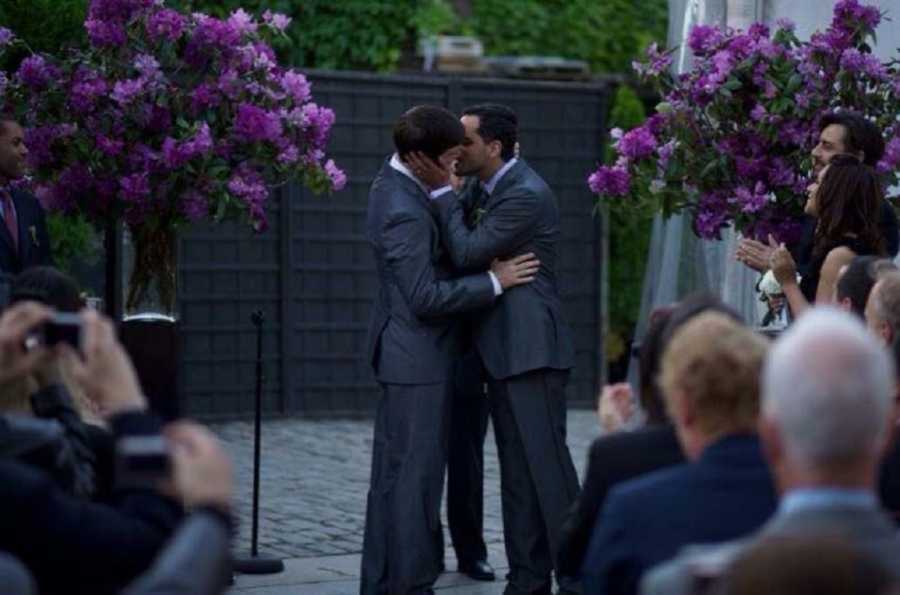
[{"x": 24, "y": 241}]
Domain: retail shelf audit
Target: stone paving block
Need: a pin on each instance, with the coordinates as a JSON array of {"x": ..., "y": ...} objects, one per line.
[{"x": 314, "y": 479}]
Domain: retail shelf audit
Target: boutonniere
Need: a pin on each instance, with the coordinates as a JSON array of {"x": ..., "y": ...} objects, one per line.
[
  {"x": 33, "y": 231},
  {"x": 479, "y": 213}
]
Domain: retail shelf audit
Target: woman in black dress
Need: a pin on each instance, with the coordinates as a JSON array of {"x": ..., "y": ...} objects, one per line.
[{"x": 845, "y": 199}]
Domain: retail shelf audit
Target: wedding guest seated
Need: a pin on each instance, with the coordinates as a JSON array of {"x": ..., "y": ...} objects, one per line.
[
  {"x": 196, "y": 560},
  {"x": 883, "y": 320},
  {"x": 828, "y": 395},
  {"x": 710, "y": 382},
  {"x": 51, "y": 393},
  {"x": 883, "y": 308},
  {"x": 806, "y": 566},
  {"x": 68, "y": 544},
  {"x": 621, "y": 455},
  {"x": 845, "y": 200},
  {"x": 855, "y": 282}
]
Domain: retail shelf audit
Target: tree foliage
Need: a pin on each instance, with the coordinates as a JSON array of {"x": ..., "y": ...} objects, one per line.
[
  {"x": 629, "y": 239},
  {"x": 608, "y": 34},
  {"x": 47, "y": 26}
]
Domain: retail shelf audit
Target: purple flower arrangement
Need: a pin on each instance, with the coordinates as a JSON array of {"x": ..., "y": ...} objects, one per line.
[
  {"x": 731, "y": 141},
  {"x": 168, "y": 118}
]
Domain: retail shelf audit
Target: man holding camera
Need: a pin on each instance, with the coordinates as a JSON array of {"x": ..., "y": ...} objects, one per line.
[
  {"x": 70, "y": 545},
  {"x": 24, "y": 241}
]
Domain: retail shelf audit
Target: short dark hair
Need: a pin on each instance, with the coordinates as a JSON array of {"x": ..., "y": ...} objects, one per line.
[
  {"x": 48, "y": 286},
  {"x": 860, "y": 134},
  {"x": 858, "y": 279},
  {"x": 664, "y": 323},
  {"x": 497, "y": 122},
  {"x": 429, "y": 129}
]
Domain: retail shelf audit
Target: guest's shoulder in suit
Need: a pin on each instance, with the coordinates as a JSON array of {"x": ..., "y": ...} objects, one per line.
[
  {"x": 655, "y": 435},
  {"x": 654, "y": 486},
  {"x": 624, "y": 455}
]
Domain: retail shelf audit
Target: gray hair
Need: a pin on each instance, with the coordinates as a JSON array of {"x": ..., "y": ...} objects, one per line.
[
  {"x": 886, "y": 300},
  {"x": 830, "y": 386}
]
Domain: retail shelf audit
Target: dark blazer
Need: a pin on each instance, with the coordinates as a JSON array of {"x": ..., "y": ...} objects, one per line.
[
  {"x": 34, "y": 242},
  {"x": 612, "y": 460},
  {"x": 412, "y": 337},
  {"x": 525, "y": 330},
  {"x": 728, "y": 492}
]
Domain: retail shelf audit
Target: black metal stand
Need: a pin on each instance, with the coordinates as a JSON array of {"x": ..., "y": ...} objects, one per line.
[{"x": 257, "y": 563}]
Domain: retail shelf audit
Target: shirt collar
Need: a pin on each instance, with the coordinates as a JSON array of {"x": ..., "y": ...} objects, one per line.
[
  {"x": 398, "y": 165},
  {"x": 818, "y": 498},
  {"x": 492, "y": 183}
]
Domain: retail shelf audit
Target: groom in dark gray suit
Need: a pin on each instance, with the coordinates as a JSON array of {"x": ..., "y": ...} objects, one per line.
[
  {"x": 523, "y": 340},
  {"x": 414, "y": 338}
]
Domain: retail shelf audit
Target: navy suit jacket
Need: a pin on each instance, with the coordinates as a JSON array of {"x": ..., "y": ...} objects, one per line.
[
  {"x": 34, "y": 242},
  {"x": 612, "y": 460},
  {"x": 728, "y": 492}
]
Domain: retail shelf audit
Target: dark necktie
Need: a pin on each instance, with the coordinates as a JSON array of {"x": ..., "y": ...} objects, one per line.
[{"x": 9, "y": 217}]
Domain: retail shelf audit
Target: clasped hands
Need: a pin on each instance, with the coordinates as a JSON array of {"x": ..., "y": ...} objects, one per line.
[{"x": 774, "y": 256}]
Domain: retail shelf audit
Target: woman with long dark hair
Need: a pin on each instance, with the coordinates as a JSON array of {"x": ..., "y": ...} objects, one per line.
[{"x": 845, "y": 199}]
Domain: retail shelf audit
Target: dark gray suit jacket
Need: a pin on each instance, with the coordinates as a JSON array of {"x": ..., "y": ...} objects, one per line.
[
  {"x": 412, "y": 336},
  {"x": 869, "y": 529},
  {"x": 525, "y": 330}
]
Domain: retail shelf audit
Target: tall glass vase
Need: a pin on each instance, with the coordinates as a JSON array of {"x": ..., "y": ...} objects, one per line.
[{"x": 150, "y": 264}]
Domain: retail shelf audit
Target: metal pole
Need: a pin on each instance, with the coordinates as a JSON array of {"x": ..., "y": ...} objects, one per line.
[
  {"x": 257, "y": 563},
  {"x": 257, "y": 319}
]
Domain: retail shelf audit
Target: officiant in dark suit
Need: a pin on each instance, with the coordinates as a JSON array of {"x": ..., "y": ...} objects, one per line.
[
  {"x": 414, "y": 339},
  {"x": 24, "y": 241},
  {"x": 523, "y": 340}
]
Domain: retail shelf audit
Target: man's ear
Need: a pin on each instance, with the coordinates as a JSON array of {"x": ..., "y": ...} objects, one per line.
[
  {"x": 845, "y": 304},
  {"x": 494, "y": 148},
  {"x": 681, "y": 410},
  {"x": 887, "y": 333}
]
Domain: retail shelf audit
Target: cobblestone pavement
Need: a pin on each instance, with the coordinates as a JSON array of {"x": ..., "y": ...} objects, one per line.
[{"x": 314, "y": 477}]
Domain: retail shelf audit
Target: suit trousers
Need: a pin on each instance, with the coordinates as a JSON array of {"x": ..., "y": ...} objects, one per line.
[
  {"x": 465, "y": 465},
  {"x": 538, "y": 482},
  {"x": 404, "y": 501}
]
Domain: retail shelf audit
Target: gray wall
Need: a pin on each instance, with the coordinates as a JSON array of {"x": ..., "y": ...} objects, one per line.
[{"x": 312, "y": 273}]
